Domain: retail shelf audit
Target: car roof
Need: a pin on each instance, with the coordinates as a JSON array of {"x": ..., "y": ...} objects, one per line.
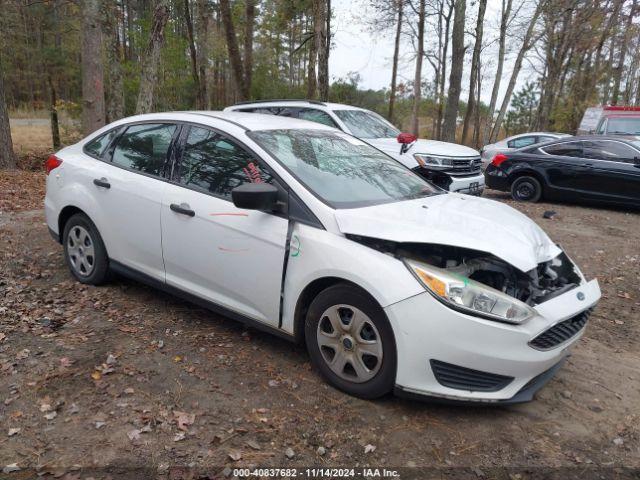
[
  {"x": 294, "y": 103},
  {"x": 538, "y": 133},
  {"x": 619, "y": 138},
  {"x": 246, "y": 121}
]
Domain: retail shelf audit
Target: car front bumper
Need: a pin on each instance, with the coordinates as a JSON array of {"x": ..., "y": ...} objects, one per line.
[
  {"x": 473, "y": 185},
  {"x": 427, "y": 330}
]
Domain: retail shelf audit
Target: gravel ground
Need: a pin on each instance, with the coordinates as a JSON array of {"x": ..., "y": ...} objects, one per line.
[{"x": 123, "y": 381}]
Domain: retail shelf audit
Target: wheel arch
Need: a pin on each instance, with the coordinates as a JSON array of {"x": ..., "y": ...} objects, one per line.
[
  {"x": 310, "y": 292},
  {"x": 65, "y": 214},
  {"x": 527, "y": 171}
]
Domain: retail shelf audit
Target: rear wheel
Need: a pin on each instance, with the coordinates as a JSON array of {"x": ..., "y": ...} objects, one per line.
[
  {"x": 84, "y": 250},
  {"x": 526, "y": 189},
  {"x": 351, "y": 342}
]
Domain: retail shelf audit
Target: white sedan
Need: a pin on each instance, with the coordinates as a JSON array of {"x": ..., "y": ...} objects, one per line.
[
  {"x": 314, "y": 235},
  {"x": 515, "y": 142}
]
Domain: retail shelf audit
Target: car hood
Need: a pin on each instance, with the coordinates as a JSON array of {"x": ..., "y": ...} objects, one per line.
[
  {"x": 457, "y": 220},
  {"x": 428, "y": 147}
]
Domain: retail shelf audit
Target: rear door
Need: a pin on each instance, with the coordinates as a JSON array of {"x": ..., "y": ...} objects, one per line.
[
  {"x": 614, "y": 174},
  {"x": 226, "y": 255},
  {"x": 129, "y": 186}
]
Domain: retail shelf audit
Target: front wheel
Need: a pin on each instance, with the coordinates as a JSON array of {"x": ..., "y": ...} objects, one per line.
[
  {"x": 526, "y": 189},
  {"x": 351, "y": 342}
]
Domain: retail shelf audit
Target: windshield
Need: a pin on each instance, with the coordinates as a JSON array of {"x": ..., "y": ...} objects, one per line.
[
  {"x": 343, "y": 171},
  {"x": 623, "y": 125},
  {"x": 366, "y": 124}
]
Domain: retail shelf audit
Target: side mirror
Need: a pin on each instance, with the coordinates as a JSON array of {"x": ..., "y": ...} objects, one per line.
[
  {"x": 405, "y": 139},
  {"x": 255, "y": 196}
]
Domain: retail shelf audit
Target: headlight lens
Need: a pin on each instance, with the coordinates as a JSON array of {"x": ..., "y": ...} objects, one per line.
[
  {"x": 431, "y": 161},
  {"x": 470, "y": 296}
]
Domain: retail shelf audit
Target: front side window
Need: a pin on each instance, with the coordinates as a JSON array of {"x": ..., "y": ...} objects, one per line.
[
  {"x": 96, "y": 147},
  {"x": 521, "y": 142},
  {"x": 366, "y": 124},
  {"x": 623, "y": 126},
  {"x": 567, "y": 149},
  {"x": 343, "y": 171},
  {"x": 612, "y": 151},
  {"x": 215, "y": 164},
  {"x": 317, "y": 116},
  {"x": 144, "y": 148}
]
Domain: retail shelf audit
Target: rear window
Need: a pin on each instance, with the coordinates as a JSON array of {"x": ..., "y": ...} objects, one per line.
[{"x": 96, "y": 147}]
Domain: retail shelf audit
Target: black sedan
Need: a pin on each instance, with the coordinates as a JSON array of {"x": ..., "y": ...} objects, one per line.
[{"x": 598, "y": 169}]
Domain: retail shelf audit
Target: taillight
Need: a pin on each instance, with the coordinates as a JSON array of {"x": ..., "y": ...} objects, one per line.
[
  {"x": 51, "y": 163},
  {"x": 498, "y": 159}
]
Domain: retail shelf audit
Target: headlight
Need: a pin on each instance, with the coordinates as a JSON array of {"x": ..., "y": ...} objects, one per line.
[
  {"x": 469, "y": 296},
  {"x": 431, "y": 161}
]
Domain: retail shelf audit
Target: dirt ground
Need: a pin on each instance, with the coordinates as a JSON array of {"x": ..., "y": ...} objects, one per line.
[{"x": 123, "y": 381}]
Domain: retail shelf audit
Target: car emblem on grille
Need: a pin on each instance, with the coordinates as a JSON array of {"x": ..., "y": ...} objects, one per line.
[
  {"x": 471, "y": 162},
  {"x": 580, "y": 296}
]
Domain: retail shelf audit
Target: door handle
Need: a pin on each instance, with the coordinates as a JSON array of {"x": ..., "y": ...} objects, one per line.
[
  {"x": 101, "y": 182},
  {"x": 183, "y": 209}
]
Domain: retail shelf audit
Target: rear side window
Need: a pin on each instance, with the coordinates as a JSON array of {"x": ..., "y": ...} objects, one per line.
[
  {"x": 144, "y": 148},
  {"x": 317, "y": 116},
  {"x": 521, "y": 142},
  {"x": 96, "y": 147},
  {"x": 568, "y": 149},
  {"x": 215, "y": 164}
]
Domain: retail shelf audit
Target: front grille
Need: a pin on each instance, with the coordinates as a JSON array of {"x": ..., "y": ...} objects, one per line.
[
  {"x": 462, "y": 378},
  {"x": 464, "y": 166},
  {"x": 561, "y": 332}
]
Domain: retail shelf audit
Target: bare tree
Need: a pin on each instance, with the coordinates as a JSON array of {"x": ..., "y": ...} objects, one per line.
[
  {"x": 93, "y": 110},
  {"x": 7, "y": 156},
  {"x": 396, "y": 53},
  {"x": 626, "y": 34},
  {"x": 151, "y": 60},
  {"x": 474, "y": 76},
  {"x": 504, "y": 20},
  {"x": 115, "y": 85},
  {"x": 202, "y": 54},
  {"x": 320, "y": 15},
  {"x": 526, "y": 46},
  {"x": 417, "y": 81},
  {"x": 442, "y": 61},
  {"x": 455, "y": 79},
  {"x": 193, "y": 55},
  {"x": 235, "y": 59},
  {"x": 250, "y": 14}
]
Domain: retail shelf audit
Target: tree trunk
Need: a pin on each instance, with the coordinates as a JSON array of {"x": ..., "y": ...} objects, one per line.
[
  {"x": 455, "y": 79},
  {"x": 234, "y": 50},
  {"x": 506, "y": 13},
  {"x": 396, "y": 53},
  {"x": 202, "y": 58},
  {"x": 93, "y": 112},
  {"x": 443, "y": 72},
  {"x": 53, "y": 114},
  {"x": 151, "y": 61},
  {"x": 115, "y": 87},
  {"x": 526, "y": 45},
  {"x": 7, "y": 156},
  {"x": 473, "y": 80},
  {"x": 320, "y": 36},
  {"x": 311, "y": 68},
  {"x": 250, "y": 13},
  {"x": 417, "y": 80},
  {"x": 192, "y": 56}
]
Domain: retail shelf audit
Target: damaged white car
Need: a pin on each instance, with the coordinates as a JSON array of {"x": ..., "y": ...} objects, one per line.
[{"x": 308, "y": 232}]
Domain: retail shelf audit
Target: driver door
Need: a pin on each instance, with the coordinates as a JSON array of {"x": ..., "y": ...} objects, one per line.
[{"x": 223, "y": 254}]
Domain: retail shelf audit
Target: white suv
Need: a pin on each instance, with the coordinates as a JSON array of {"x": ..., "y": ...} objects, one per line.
[
  {"x": 450, "y": 166},
  {"x": 310, "y": 233}
]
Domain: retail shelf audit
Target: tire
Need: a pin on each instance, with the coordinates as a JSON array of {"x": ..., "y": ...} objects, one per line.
[
  {"x": 363, "y": 363},
  {"x": 526, "y": 189},
  {"x": 84, "y": 250}
]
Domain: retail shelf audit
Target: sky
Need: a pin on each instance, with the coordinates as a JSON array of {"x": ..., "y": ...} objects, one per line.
[{"x": 356, "y": 48}]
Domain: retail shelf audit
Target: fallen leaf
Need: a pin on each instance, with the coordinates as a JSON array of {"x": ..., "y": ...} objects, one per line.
[
  {"x": 184, "y": 419},
  {"x": 253, "y": 444},
  {"x": 235, "y": 455},
  {"x": 178, "y": 436},
  {"x": 133, "y": 435},
  {"x": 51, "y": 415},
  {"x": 12, "y": 467},
  {"x": 13, "y": 431},
  {"x": 96, "y": 375},
  {"x": 369, "y": 448},
  {"x": 177, "y": 358}
]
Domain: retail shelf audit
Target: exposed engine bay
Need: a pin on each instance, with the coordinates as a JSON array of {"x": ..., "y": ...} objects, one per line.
[{"x": 546, "y": 281}]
